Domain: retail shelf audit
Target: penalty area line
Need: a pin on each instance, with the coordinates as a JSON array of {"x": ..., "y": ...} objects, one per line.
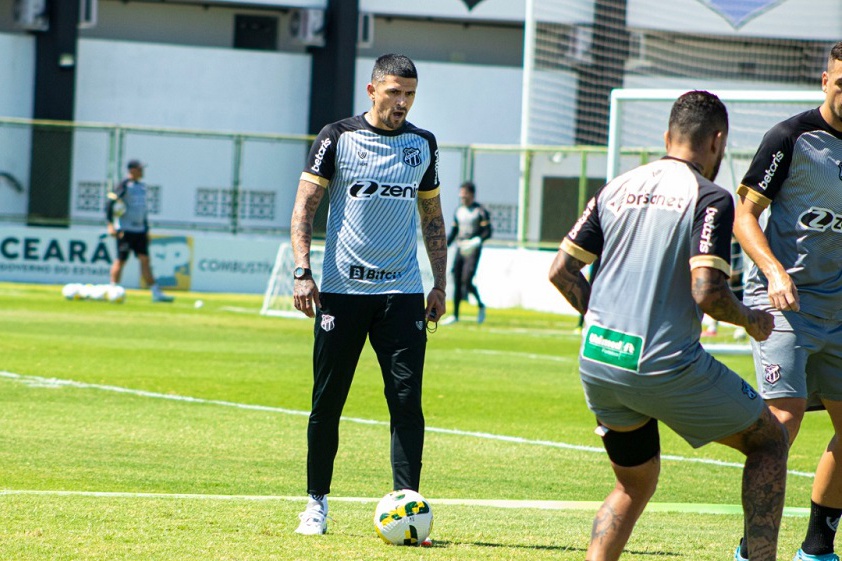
[
  {"x": 43, "y": 382},
  {"x": 688, "y": 508}
]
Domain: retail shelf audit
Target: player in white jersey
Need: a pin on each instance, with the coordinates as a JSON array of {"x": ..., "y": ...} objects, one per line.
[
  {"x": 382, "y": 173},
  {"x": 663, "y": 235},
  {"x": 796, "y": 248}
]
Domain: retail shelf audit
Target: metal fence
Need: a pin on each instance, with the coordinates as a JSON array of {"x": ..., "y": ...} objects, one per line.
[{"x": 245, "y": 183}]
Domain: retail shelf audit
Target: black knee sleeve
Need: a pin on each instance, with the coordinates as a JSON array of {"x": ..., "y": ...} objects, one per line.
[{"x": 633, "y": 448}]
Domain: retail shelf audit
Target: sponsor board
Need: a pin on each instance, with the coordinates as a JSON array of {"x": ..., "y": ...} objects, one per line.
[{"x": 201, "y": 262}]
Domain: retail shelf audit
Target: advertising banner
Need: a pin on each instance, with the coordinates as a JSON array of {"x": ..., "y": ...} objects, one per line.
[{"x": 201, "y": 262}]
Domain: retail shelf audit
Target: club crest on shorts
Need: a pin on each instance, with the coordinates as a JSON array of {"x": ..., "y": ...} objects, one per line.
[
  {"x": 328, "y": 322},
  {"x": 772, "y": 373},
  {"x": 419, "y": 325}
]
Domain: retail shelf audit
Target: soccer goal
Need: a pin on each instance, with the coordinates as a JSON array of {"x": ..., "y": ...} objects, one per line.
[{"x": 277, "y": 301}]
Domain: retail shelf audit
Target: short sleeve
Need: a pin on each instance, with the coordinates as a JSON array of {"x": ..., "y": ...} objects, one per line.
[
  {"x": 770, "y": 166},
  {"x": 713, "y": 223},
  {"x": 585, "y": 240},
  {"x": 321, "y": 161},
  {"x": 429, "y": 186}
]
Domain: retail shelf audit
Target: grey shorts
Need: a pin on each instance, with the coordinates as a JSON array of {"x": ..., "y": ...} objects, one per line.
[
  {"x": 802, "y": 358},
  {"x": 702, "y": 403}
]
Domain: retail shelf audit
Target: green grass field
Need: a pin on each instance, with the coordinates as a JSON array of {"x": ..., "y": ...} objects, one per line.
[{"x": 164, "y": 432}]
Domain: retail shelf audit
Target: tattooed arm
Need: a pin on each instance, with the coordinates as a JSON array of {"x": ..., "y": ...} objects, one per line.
[
  {"x": 713, "y": 295},
  {"x": 305, "y": 292},
  {"x": 566, "y": 275},
  {"x": 432, "y": 228}
]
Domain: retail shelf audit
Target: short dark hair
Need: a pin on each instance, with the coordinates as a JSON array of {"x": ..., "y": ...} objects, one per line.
[
  {"x": 470, "y": 187},
  {"x": 393, "y": 65},
  {"x": 835, "y": 53},
  {"x": 696, "y": 116}
]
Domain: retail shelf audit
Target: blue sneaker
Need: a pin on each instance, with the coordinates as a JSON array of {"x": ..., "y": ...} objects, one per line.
[
  {"x": 737, "y": 556},
  {"x": 801, "y": 556}
]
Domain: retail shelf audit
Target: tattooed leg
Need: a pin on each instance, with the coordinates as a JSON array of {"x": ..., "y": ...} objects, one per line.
[
  {"x": 622, "y": 507},
  {"x": 766, "y": 447}
]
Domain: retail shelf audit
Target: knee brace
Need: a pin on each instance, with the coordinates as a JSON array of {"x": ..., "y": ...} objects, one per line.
[{"x": 633, "y": 448}]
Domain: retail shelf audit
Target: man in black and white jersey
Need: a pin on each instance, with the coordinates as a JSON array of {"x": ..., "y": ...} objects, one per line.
[
  {"x": 379, "y": 169},
  {"x": 471, "y": 228},
  {"x": 662, "y": 233},
  {"x": 796, "y": 175}
]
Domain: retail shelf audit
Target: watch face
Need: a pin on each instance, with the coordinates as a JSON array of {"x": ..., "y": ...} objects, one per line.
[{"x": 298, "y": 272}]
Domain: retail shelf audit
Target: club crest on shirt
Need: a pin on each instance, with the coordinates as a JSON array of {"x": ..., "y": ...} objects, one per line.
[
  {"x": 412, "y": 156},
  {"x": 328, "y": 322},
  {"x": 419, "y": 325},
  {"x": 749, "y": 391},
  {"x": 772, "y": 373}
]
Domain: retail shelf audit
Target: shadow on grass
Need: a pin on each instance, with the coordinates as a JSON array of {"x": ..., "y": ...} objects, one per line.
[{"x": 446, "y": 543}]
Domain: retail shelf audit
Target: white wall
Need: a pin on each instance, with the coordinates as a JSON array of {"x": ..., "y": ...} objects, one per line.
[
  {"x": 192, "y": 87},
  {"x": 212, "y": 89},
  {"x": 17, "y": 60}
]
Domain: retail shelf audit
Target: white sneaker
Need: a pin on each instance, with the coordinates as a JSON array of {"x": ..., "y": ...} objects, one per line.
[
  {"x": 449, "y": 320},
  {"x": 158, "y": 296},
  {"x": 314, "y": 518}
]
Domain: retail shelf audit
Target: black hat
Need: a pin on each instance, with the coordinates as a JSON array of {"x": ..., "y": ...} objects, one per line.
[{"x": 135, "y": 164}]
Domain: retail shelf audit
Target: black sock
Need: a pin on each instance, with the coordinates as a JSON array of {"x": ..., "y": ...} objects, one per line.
[{"x": 821, "y": 529}]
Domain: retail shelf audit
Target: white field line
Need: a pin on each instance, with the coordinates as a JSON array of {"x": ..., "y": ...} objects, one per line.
[
  {"x": 39, "y": 381},
  {"x": 530, "y": 356},
  {"x": 487, "y": 503}
]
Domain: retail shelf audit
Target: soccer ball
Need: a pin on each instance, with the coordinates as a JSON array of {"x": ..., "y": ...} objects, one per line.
[
  {"x": 98, "y": 292},
  {"x": 86, "y": 291},
  {"x": 71, "y": 291},
  {"x": 118, "y": 208},
  {"x": 740, "y": 334},
  {"x": 116, "y": 294},
  {"x": 403, "y": 518}
]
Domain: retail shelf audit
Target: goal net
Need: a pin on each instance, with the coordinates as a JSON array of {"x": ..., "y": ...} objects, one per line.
[
  {"x": 639, "y": 117},
  {"x": 575, "y": 53},
  {"x": 277, "y": 301}
]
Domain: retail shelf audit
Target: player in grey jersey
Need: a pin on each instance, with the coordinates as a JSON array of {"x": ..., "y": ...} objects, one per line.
[
  {"x": 382, "y": 173},
  {"x": 126, "y": 216},
  {"x": 662, "y": 232},
  {"x": 796, "y": 248}
]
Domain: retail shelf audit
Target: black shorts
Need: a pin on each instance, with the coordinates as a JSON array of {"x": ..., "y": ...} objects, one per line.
[{"x": 138, "y": 242}]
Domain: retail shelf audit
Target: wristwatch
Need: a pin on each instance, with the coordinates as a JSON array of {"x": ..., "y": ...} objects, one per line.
[{"x": 301, "y": 273}]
